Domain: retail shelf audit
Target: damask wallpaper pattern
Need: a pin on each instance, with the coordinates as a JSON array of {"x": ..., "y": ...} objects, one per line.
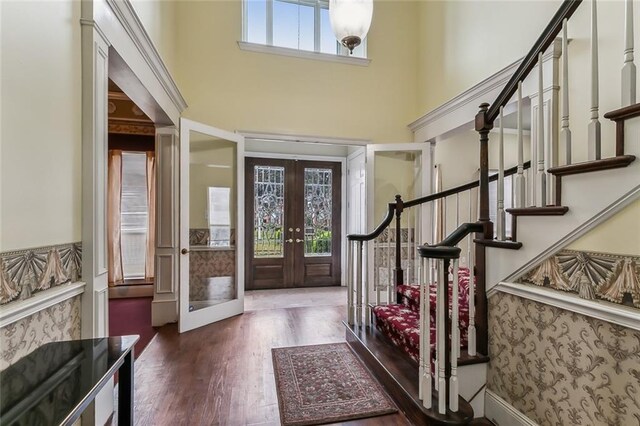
[
  {"x": 562, "y": 368},
  {"x": 58, "y": 322}
]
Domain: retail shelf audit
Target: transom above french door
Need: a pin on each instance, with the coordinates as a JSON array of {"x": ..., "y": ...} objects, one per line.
[{"x": 293, "y": 223}]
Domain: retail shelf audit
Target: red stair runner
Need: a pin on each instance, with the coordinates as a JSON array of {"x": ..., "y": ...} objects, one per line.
[{"x": 400, "y": 322}]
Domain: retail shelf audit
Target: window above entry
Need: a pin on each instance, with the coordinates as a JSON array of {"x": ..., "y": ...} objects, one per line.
[{"x": 295, "y": 28}]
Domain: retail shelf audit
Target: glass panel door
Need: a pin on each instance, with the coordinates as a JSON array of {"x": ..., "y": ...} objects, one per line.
[
  {"x": 295, "y": 223},
  {"x": 211, "y": 223},
  {"x": 396, "y": 169}
]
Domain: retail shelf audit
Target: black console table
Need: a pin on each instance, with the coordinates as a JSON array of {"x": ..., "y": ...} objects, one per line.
[{"x": 54, "y": 384}]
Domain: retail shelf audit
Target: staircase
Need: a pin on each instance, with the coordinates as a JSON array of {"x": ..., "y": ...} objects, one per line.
[{"x": 427, "y": 340}]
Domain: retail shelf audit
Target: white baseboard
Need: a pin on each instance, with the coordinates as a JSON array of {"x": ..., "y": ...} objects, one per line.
[
  {"x": 164, "y": 312},
  {"x": 501, "y": 413}
]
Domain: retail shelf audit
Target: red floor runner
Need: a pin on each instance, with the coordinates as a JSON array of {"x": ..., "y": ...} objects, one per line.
[{"x": 132, "y": 316}]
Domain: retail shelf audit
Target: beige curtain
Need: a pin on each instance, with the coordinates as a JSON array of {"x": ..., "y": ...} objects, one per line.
[
  {"x": 149, "y": 266},
  {"x": 114, "y": 194}
]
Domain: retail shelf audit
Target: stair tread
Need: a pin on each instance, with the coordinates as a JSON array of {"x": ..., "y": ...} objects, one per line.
[
  {"x": 539, "y": 211},
  {"x": 511, "y": 245},
  {"x": 624, "y": 113},
  {"x": 593, "y": 165}
]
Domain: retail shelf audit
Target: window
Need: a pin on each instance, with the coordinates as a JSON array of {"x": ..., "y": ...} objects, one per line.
[
  {"x": 134, "y": 214},
  {"x": 219, "y": 216},
  {"x": 295, "y": 24}
]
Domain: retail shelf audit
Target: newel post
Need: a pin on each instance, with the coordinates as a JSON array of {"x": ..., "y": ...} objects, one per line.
[
  {"x": 398, "y": 274},
  {"x": 483, "y": 126}
]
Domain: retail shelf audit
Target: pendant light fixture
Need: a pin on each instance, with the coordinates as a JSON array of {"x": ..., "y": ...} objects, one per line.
[{"x": 350, "y": 21}]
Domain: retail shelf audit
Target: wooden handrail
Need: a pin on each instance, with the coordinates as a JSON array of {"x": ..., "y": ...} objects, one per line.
[
  {"x": 391, "y": 207},
  {"x": 566, "y": 10},
  {"x": 461, "y": 188}
]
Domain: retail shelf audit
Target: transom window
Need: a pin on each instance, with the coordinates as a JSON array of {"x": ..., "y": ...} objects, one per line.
[{"x": 294, "y": 24}]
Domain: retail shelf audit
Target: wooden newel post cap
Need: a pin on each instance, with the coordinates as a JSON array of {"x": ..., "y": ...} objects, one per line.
[
  {"x": 399, "y": 204},
  {"x": 481, "y": 119}
]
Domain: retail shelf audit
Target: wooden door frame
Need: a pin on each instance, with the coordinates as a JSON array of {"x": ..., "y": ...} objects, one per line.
[{"x": 343, "y": 194}]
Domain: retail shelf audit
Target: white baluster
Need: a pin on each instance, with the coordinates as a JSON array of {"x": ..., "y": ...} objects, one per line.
[
  {"x": 457, "y": 209},
  {"x": 358, "y": 320},
  {"x": 500, "y": 217},
  {"x": 565, "y": 131},
  {"x": 593, "y": 139},
  {"x": 390, "y": 251},
  {"x": 391, "y": 273},
  {"x": 629, "y": 68},
  {"x": 441, "y": 335},
  {"x": 350, "y": 311},
  {"x": 408, "y": 277},
  {"x": 365, "y": 287},
  {"x": 471, "y": 335},
  {"x": 425, "y": 335},
  {"x": 541, "y": 178},
  {"x": 455, "y": 341},
  {"x": 520, "y": 181},
  {"x": 433, "y": 279}
]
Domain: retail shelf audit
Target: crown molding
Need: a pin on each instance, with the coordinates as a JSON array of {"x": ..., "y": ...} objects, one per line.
[
  {"x": 477, "y": 93},
  {"x": 128, "y": 18}
]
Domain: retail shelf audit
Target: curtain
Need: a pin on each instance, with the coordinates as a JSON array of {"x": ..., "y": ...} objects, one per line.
[
  {"x": 149, "y": 265},
  {"x": 114, "y": 203}
]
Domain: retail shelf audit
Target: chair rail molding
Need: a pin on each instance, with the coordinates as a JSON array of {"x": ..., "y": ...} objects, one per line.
[
  {"x": 455, "y": 113},
  {"x": 605, "y": 311},
  {"x": 18, "y": 310}
]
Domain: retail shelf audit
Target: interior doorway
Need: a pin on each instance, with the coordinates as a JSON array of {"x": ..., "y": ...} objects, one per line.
[
  {"x": 293, "y": 222},
  {"x": 131, "y": 177}
]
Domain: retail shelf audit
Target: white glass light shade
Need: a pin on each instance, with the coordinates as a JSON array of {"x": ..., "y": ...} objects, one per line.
[{"x": 350, "y": 20}]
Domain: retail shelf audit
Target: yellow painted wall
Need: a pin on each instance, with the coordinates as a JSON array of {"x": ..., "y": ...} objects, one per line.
[
  {"x": 618, "y": 235},
  {"x": 159, "y": 20},
  {"x": 202, "y": 176},
  {"x": 40, "y": 145},
  {"x": 464, "y": 42},
  {"x": 240, "y": 90}
]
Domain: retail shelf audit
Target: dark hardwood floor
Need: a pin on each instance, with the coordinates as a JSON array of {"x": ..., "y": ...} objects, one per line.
[{"x": 222, "y": 374}]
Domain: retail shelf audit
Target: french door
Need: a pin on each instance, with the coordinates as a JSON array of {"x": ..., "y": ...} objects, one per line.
[
  {"x": 292, "y": 219},
  {"x": 211, "y": 224}
]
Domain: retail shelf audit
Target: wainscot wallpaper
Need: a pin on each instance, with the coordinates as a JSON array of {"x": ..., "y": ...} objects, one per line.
[
  {"x": 561, "y": 368},
  {"x": 58, "y": 322}
]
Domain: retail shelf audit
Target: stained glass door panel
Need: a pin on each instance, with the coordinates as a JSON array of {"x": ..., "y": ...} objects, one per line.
[
  {"x": 294, "y": 224},
  {"x": 317, "y": 257}
]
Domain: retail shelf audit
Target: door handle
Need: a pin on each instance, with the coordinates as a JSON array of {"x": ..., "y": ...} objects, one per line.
[
  {"x": 290, "y": 240},
  {"x": 298, "y": 240},
  {"x": 184, "y": 251}
]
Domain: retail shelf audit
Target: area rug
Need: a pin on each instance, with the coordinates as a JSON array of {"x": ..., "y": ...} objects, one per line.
[{"x": 325, "y": 384}]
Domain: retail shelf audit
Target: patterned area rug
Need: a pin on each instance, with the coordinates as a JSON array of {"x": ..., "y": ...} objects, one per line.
[{"x": 325, "y": 384}]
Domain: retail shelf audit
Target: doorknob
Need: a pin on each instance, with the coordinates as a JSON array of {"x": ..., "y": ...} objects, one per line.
[
  {"x": 290, "y": 240},
  {"x": 184, "y": 251},
  {"x": 298, "y": 240}
]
